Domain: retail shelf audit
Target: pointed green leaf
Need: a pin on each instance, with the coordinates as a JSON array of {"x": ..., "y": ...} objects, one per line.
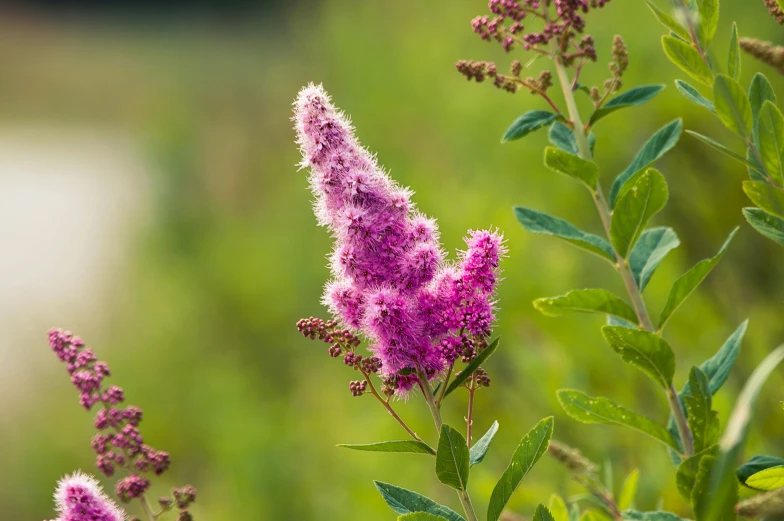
[
  {"x": 472, "y": 366},
  {"x": 452, "y": 459},
  {"x": 650, "y": 250},
  {"x": 557, "y": 508},
  {"x": 703, "y": 421},
  {"x": 583, "y": 408},
  {"x": 420, "y": 516},
  {"x": 771, "y": 140},
  {"x": 732, "y": 105},
  {"x": 405, "y": 501},
  {"x": 571, "y": 165},
  {"x": 531, "y": 448},
  {"x": 629, "y": 490},
  {"x": 733, "y": 62},
  {"x": 686, "y": 474},
  {"x": 689, "y": 281},
  {"x": 767, "y": 480},
  {"x": 760, "y": 91},
  {"x": 687, "y": 59},
  {"x": 538, "y": 222},
  {"x": 412, "y": 446},
  {"x": 694, "y": 95},
  {"x": 756, "y": 464},
  {"x": 479, "y": 449},
  {"x": 721, "y": 148},
  {"x": 542, "y": 514},
  {"x": 636, "y": 206},
  {"x": 766, "y": 197},
  {"x": 646, "y": 351},
  {"x": 657, "y": 515},
  {"x": 768, "y": 225},
  {"x": 631, "y": 98},
  {"x": 708, "y": 11},
  {"x": 668, "y": 21},
  {"x": 659, "y": 144},
  {"x": 701, "y": 493},
  {"x": 562, "y": 137},
  {"x": 585, "y": 301},
  {"x": 527, "y": 123}
]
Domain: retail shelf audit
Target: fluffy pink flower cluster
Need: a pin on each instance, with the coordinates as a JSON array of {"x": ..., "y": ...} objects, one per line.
[
  {"x": 390, "y": 279},
  {"x": 79, "y": 497}
]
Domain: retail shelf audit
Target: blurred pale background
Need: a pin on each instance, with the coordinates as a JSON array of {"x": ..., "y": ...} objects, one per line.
[{"x": 150, "y": 202}]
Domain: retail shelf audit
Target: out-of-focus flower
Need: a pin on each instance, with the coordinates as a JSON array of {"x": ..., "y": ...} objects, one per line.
[{"x": 79, "y": 497}]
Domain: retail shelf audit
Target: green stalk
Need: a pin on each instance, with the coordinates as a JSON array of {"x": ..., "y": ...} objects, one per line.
[{"x": 621, "y": 264}]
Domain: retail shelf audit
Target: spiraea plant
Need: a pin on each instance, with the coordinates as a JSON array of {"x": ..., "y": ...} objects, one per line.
[
  {"x": 118, "y": 445},
  {"x": 426, "y": 321},
  {"x": 691, "y": 435}
]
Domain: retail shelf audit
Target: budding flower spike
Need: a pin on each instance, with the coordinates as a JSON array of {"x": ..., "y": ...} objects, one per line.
[
  {"x": 391, "y": 283},
  {"x": 79, "y": 497}
]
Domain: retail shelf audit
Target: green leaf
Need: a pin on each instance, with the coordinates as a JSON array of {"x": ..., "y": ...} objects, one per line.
[
  {"x": 583, "y": 408},
  {"x": 629, "y": 490},
  {"x": 405, "y": 501},
  {"x": 694, "y": 95},
  {"x": 479, "y": 449},
  {"x": 756, "y": 464},
  {"x": 659, "y": 144},
  {"x": 658, "y": 515},
  {"x": 531, "y": 448},
  {"x": 472, "y": 366},
  {"x": 687, "y": 59},
  {"x": 733, "y": 62},
  {"x": 646, "y": 351},
  {"x": 701, "y": 496},
  {"x": 650, "y": 250},
  {"x": 767, "y": 480},
  {"x": 768, "y": 225},
  {"x": 724, "y": 487},
  {"x": 668, "y": 21},
  {"x": 562, "y": 137},
  {"x": 732, "y": 105},
  {"x": 585, "y": 301},
  {"x": 557, "y": 508},
  {"x": 420, "y": 516},
  {"x": 542, "y": 514},
  {"x": 412, "y": 446},
  {"x": 686, "y": 474},
  {"x": 771, "y": 140},
  {"x": 571, "y": 165},
  {"x": 631, "y": 98},
  {"x": 766, "y": 197},
  {"x": 708, "y": 11},
  {"x": 636, "y": 206},
  {"x": 527, "y": 123},
  {"x": 756, "y": 170},
  {"x": 541, "y": 223},
  {"x": 703, "y": 421},
  {"x": 689, "y": 281},
  {"x": 452, "y": 459},
  {"x": 760, "y": 91},
  {"x": 721, "y": 148}
]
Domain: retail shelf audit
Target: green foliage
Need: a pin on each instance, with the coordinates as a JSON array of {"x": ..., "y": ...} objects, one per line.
[
  {"x": 472, "y": 366},
  {"x": 541, "y": 223},
  {"x": 768, "y": 198},
  {"x": 768, "y": 479},
  {"x": 760, "y": 91},
  {"x": 405, "y": 501},
  {"x": 721, "y": 148},
  {"x": 702, "y": 494},
  {"x": 563, "y": 138},
  {"x": 755, "y": 465},
  {"x": 585, "y": 301},
  {"x": 636, "y": 206},
  {"x": 658, "y": 515},
  {"x": 686, "y": 475},
  {"x": 646, "y": 351},
  {"x": 688, "y": 59},
  {"x": 733, "y": 60},
  {"x": 703, "y": 421},
  {"x": 768, "y": 225},
  {"x": 658, "y": 145},
  {"x": 420, "y": 516},
  {"x": 668, "y": 21},
  {"x": 479, "y": 449},
  {"x": 542, "y": 514},
  {"x": 770, "y": 124},
  {"x": 527, "y": 123},
  {"x": 631, "y": 98},
  {"x": 531, "y": 448},
  {"x": 708, "y": 11},
  {"x": 412, "y": 446},
  {"x": 628, "y": 490},
  {"x": 571, "y": 165},
  {"x": 688, "y": 282},
  {"x": 694, "y": 95},
  {"x": 732, "y": 105},
  {"x": 557, "y": 508},
  {"x": 650, "y": 250},
  {"x": 583, "y": 408},
  {"x": 452, "y": 459}
]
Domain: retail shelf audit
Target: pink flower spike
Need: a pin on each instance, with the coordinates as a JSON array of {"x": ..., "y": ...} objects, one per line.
[{"x": 79, "y": 497}]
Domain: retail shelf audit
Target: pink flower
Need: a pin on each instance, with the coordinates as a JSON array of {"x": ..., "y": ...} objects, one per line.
[{"x": 79, "y": 497}]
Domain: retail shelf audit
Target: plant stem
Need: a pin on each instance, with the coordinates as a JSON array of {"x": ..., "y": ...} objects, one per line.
[
  {"x": 622, "y": 265},
  {"x": 147, "y": 510},
  {"x": 469, "y": 417},
  {"x": 427, "y": 391},
  {"x": 389, "y": 408},
  {"x": 444, "y": 385}
]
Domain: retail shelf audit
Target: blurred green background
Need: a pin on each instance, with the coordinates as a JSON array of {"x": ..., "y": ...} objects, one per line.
[{"x": 165, "y": 221}]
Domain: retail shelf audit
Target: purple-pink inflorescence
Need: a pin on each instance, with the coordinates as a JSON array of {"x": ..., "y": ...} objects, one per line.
[
  {"x": 79, "y": 497},
  {"x": 391, "y": 282}
]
